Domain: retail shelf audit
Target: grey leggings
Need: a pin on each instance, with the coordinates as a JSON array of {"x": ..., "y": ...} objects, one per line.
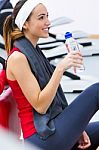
[{"x": 72, "y": 122}]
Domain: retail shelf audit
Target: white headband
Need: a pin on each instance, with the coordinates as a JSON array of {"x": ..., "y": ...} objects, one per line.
[{"x": 25, "y": 11}]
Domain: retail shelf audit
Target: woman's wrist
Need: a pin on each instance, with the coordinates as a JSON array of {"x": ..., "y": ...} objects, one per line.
[{"x": 60, "y": 69}]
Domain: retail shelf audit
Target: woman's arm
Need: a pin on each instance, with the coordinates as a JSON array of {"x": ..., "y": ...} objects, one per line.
[{"x": 18, "y": 69}]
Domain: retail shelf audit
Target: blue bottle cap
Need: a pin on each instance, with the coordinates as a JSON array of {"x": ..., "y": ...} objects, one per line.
[{"x": 68, "y": 35}]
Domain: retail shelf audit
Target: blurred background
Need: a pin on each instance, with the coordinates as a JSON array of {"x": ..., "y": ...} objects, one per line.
[{"x": 83, "y": 12}]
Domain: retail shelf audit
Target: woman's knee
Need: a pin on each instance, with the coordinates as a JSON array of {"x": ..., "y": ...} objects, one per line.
[
  {"x": 94, "y": 91},
  {"x": 94, "y": 88},
  {"x": 96, "y": 84}
]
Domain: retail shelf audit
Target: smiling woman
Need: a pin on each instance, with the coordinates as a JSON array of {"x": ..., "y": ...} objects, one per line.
[{"x": 46, "y": 119}]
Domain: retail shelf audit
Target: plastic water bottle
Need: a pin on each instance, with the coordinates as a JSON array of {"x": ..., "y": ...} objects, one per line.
[{"x": 71, "y": 44}]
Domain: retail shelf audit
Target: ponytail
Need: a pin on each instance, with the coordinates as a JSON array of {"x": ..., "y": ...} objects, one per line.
[
  {"x": 10, "y": 33},
  {"x": 6, "y": 33},
  {"x": 10, "y": 30}
]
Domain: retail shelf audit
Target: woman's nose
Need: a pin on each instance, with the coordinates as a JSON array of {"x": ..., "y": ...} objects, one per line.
[{"x": 48, "y": 22}]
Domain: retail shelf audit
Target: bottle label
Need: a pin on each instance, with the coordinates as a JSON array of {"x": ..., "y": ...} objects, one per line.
[{"x": 73, "y": 46}]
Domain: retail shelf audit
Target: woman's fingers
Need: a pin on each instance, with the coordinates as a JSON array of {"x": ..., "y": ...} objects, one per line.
[
  {"x": 76, "y": 59},
  {"x": 84, "y": 141},
  {"x": 72, "y": 59}
]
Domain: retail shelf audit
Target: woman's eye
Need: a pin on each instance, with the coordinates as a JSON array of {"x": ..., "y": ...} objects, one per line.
[{"x": 41, "y": 18}]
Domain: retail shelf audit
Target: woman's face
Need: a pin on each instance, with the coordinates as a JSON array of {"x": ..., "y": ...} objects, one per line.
[{"x": 37, "y": 25}]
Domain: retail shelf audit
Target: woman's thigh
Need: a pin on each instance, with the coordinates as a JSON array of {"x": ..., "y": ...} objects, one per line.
[
  {"x": 74, "y": 119},
  {"x": 71, "y": 122}
]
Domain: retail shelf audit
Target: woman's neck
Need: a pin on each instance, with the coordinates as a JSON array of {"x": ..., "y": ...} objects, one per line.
[{"x": 32, "y": 40}]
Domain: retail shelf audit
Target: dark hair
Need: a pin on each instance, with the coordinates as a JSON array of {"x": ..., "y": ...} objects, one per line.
[{"x": 10, "y": 30}]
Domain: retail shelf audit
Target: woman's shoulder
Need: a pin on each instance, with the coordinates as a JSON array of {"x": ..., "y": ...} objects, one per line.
[
  {"x": 15, "y": 61},
  {"x": 16, "y": 55}
]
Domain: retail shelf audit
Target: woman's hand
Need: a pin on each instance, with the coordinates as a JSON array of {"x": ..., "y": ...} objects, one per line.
[
  {"x": 72, "y": 59},
  {"x": 84, "y": 141}
]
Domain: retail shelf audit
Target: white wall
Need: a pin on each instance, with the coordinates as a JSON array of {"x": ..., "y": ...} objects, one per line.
[{"x": 84, "y": 12}]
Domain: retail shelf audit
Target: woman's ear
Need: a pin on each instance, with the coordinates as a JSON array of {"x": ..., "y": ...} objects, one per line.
[{"x": 25, "y": 25}]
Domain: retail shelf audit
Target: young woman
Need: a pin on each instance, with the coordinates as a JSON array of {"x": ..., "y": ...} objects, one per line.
[{"x": 46, "y": 119}]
